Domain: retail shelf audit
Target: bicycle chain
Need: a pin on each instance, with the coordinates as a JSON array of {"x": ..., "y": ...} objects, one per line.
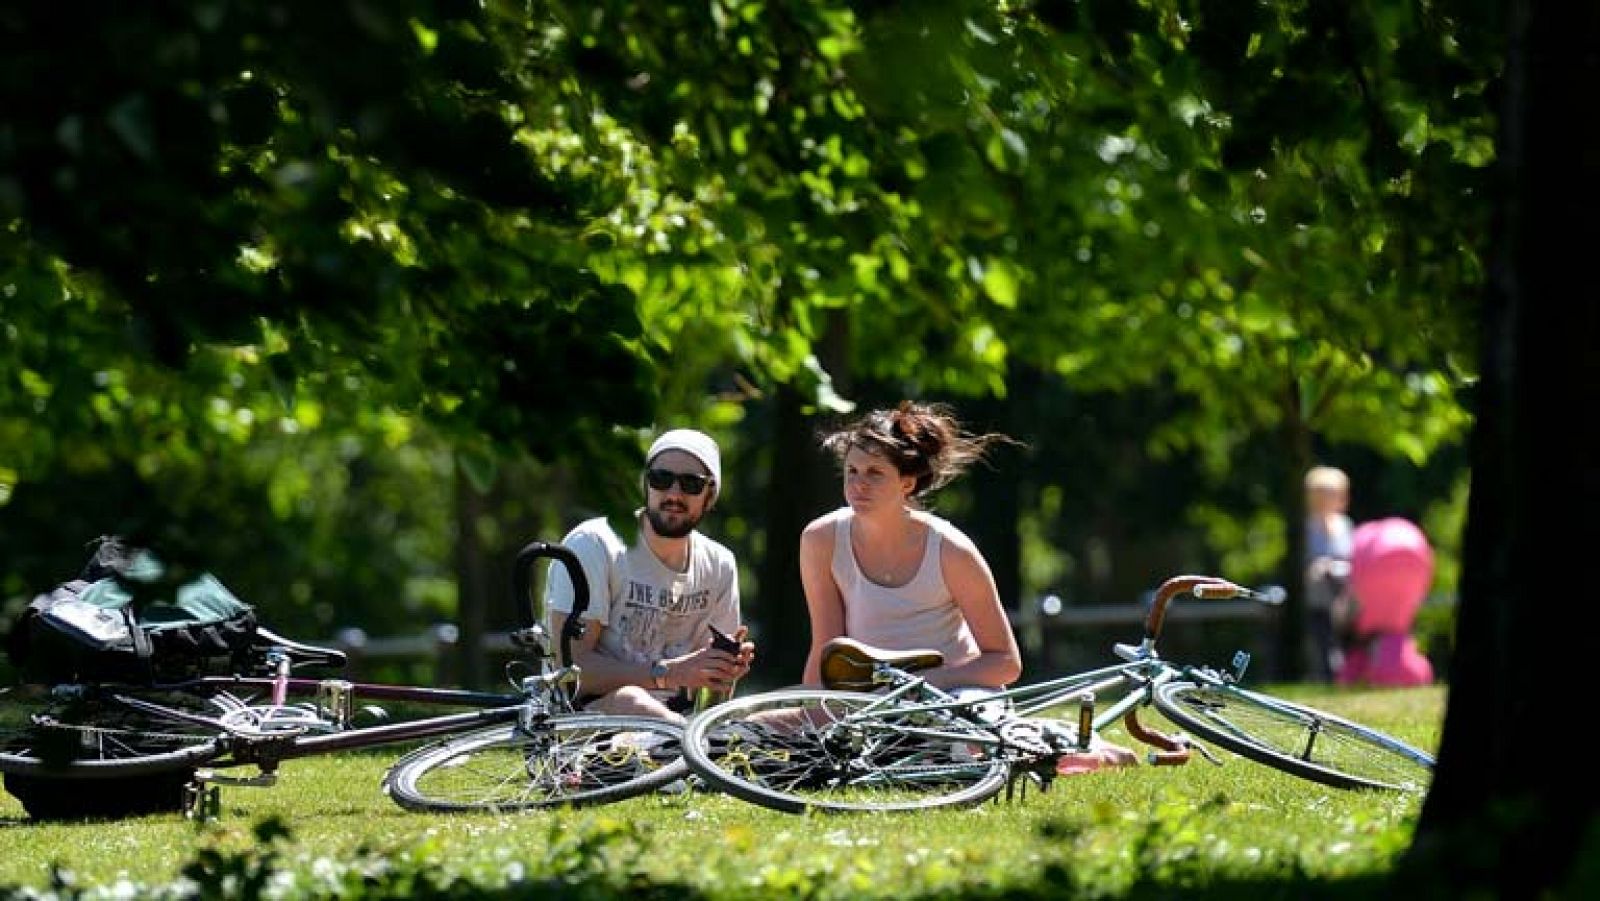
[{"x": 85, "y": 728}]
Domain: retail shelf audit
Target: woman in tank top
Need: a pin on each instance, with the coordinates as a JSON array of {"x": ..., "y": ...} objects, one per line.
[{"x": 885, "y": 571}]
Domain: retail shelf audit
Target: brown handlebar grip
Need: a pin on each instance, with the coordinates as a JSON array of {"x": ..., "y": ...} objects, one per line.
[
  {"x": 1170, "y": 589},
  {"x": 1173, "y": 752}
]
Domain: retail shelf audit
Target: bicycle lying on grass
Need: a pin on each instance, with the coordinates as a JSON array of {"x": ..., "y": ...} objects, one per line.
[
  {"x": 107, "y": 749},
  {"x": 899, "y": 743}
]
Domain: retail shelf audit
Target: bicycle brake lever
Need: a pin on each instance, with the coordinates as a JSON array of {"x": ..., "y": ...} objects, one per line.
[
  {"x": 1204, "y": 751},
  {"x": 531, "y": 637},
  {"x": 1269, "y": 594}
]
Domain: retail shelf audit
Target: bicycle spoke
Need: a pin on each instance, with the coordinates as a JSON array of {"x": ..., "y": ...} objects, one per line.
[
  {"x": 567, "y": 760},
  {"x": 818, "y": 749},
  {"x": 1295, "y": 738}
]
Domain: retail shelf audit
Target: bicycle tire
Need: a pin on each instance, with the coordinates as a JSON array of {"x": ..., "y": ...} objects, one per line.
[
  {"x": 577, "y": 760},
  {"x": 1294, "y": 738},
  {"x": 799, "y": 750},
  {"x": 96, "y": 757},
  {"x": 100, "y": 735}
]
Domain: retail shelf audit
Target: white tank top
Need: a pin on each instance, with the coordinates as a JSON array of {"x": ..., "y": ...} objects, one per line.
[{"x": 919, "y": 614}]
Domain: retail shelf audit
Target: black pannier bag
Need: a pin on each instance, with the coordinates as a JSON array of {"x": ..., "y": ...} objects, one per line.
[{"x": 100, "y": 627}]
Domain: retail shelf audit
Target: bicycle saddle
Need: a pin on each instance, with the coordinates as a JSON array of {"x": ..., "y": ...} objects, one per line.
[
  {"x": 299, "y": 652},
  {"x": 848, "y": 664}
]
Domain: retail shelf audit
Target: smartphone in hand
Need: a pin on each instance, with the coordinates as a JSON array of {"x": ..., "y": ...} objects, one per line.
[
  {"x": 721, "y": 641},
  {"x": 709, "y": 697}
]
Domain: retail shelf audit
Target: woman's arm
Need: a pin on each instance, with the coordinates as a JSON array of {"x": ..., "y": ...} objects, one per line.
[
  {"x": 967, "y": 574},
  {"x": 823, "y": 600}
]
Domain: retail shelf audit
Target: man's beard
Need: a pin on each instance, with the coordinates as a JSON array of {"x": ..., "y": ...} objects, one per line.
[{"x": 667, "y": 528}]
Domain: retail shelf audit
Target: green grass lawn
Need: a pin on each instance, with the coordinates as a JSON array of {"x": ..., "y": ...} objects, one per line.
[{"x": 327, "y": 830}]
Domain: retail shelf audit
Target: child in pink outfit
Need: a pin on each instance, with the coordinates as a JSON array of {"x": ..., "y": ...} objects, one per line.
[{"x": 1391, "y": 569}]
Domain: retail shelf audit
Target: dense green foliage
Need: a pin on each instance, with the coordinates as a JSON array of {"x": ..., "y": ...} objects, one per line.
[{"x": 288, "y": 288}]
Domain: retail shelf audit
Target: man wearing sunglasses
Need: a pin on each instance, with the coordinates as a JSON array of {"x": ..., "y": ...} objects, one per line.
[{"x": 656, "y": 606}]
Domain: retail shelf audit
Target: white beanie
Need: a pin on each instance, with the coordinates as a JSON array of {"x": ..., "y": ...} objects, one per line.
[{"x": 696, "y": 444}]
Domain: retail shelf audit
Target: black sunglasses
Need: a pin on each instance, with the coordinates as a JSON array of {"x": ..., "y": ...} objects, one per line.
[{"x": 661, "y": 480}]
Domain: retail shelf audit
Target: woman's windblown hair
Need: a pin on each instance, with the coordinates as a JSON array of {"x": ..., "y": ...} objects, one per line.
[{"x": 921, "y": 440}]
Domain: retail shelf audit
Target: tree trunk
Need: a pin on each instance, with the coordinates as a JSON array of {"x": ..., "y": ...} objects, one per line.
[
  {"x": 472, "y": 591},
  {"x": 996, "y": 487},
  {"x": 1290, "y": 660},
  {"x": 804, "y": 483},
  {"x": 1513, "y": 806},
  {"x": 786, "y": 626}
]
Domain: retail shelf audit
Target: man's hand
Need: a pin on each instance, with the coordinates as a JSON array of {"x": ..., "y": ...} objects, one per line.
[{"x": 722, "y": 662}]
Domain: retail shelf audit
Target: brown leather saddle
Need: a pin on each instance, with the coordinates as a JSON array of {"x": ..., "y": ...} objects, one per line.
[{"x": 848, "y": 664}]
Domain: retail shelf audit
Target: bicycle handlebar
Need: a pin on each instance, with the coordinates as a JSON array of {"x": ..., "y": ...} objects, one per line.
[
  {"x": 1170, "y": 751},
  {"x": 1274, "y": 594},
  {"x": 522, "y": 583},
  {"x": 1205, "y": 588}
]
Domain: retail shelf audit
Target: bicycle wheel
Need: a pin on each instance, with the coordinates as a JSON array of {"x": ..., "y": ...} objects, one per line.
[
  {"x": 1294, "y": 738},
  {"x": 566, "y": 760},
  {"x": 104, "y": 734},
  {"x": 816, "y": 749},
  {"x": 136, "y": 749}
]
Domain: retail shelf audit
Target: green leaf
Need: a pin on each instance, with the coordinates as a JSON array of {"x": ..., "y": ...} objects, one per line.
[{"x": 1000, "y": 282}]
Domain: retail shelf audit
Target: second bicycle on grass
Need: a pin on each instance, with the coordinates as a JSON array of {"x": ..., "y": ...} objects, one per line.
[{"x": 881, "y": 738}]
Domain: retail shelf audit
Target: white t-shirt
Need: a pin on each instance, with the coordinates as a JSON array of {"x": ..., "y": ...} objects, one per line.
[{"x": 648, "y": 611}]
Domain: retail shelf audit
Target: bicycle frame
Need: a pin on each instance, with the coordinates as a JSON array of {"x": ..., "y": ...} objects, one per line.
[
  {"x": 329, "y": 732},
  {"x": 1136, "y": 678},
  {"x": 539, "y": 696},
  {"x": 879, "y": 737}
]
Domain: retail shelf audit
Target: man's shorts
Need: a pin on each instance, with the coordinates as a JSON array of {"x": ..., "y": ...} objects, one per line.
[{"x": 679, "y": 702}]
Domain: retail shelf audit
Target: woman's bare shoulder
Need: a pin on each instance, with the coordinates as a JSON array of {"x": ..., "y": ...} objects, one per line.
[
  {"x": 827, "y": 521},
  {"x": 821, "y": 528},
  {"x": 954, "y": 538}
]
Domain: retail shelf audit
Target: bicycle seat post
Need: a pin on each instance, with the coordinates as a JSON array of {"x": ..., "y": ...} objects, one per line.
[
  {"x": 887, "y": 674},
  {"x": 278, "y": 662}
]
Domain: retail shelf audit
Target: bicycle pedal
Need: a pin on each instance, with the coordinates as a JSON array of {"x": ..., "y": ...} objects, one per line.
[
  {"x": 212, "y": 778},
  {"x": 1044, "y": 779},
  {"x": 202, "y": 802}
]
